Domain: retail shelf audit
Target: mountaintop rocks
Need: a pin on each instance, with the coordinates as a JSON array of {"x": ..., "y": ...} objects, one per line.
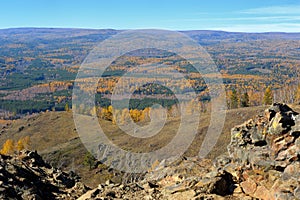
[
  {"x": 267, "y": 149},
  {"x": 262, "y": 162},
  {"x": 27, "y": 176}
]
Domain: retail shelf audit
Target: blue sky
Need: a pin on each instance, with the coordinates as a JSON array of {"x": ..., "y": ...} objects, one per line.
[{"x": 228, "y": 15}]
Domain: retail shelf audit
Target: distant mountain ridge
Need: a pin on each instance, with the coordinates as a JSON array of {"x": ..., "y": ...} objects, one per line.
[{"x": 213, "y": 33}]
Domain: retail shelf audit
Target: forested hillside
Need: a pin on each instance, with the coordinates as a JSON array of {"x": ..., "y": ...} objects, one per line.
[{"x": 38, "y": 68}]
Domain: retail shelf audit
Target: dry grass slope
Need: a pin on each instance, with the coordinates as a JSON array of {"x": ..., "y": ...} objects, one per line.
[{"x": 54, "y": 136}]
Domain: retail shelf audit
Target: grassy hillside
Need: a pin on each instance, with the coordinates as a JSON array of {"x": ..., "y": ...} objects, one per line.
[{"x": 53, "y": 135}]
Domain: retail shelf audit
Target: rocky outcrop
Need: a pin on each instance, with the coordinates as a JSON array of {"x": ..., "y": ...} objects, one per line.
[
  {"x": 268, "y": 151},
  {"x": 262, "y": 163},
  {"x": 187, "y": 178},
  {"x": 27, "y": 176}
]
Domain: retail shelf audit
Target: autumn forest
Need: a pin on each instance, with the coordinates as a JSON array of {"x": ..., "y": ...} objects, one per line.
[{"x": 38, "y": 68}]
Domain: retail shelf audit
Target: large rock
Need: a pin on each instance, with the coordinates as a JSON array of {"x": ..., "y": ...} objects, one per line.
[
  {"x": 281, "y": 118},
  {"x": 27, "y": 176},
  {"x": 249, "y": 186}
]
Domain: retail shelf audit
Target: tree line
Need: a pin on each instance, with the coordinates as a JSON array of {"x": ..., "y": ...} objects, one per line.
[{"x": 286, "y": 94}]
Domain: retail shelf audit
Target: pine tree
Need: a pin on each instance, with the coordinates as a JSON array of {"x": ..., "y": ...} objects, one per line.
[
  {"x": 268, "y": 97},
  {"x": 234, "y": 100},
  {"x": 89, "y": 160},
  {"x": 245, "y": 100}
]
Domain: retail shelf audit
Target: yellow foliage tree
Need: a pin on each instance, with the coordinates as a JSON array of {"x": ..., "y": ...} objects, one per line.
[
  {"x": 8, "y": 147},
  {"x": 103, "y": 112},
  {"x": 67, "y": 108},
  {"x": 135, "y": 115},
  {"x": 125, "y": 116},
  {"x": 145, "y": 115},
  {"x": 107, "y": 113},
  {"x": 20, "y": 145},
  {"x": 93, "y": 111},
  {"x": 116, "y": 117},
  {"x": 297, "y": 94},
  {"x": 110, "y": 110},
  {"x": 268, "y": 97},
  {"x": 23, "y": 143}
]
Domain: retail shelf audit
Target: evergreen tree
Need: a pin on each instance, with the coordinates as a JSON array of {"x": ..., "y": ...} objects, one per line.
[
  {"x": 234, "y": 100},
  {"x": 245, "y": 100},
  {"x": 89, "y": 160}
]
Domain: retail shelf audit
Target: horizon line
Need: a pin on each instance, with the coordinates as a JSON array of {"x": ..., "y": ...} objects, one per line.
[{"x": 182, "y": 30}]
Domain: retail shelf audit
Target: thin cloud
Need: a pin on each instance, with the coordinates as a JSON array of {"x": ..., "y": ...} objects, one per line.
[
  {"x": 264, "y": 18},
  {"x": 273, "y": 10}
]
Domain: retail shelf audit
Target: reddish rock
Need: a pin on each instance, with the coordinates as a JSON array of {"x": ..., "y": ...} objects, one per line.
[
  {"x": 263, "y": 193},
  {"x": 249, "y": 186}
]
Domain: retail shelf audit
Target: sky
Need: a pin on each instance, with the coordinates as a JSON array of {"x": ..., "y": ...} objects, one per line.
[{"x": 226, "y": 15}]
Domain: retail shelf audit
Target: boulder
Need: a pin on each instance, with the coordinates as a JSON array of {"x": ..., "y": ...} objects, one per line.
[
  {"x": 28, "y": 176},
  {"x": 249, "y": 186},
  {"x": 281, "y": 118}
]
